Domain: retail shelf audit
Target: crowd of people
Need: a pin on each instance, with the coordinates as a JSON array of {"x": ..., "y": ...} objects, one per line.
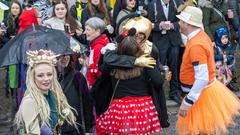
[{"x": 115, "y": 86}]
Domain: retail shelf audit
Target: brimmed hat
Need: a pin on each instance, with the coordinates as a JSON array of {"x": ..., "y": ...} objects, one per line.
[{"x": 191, "y": 15}]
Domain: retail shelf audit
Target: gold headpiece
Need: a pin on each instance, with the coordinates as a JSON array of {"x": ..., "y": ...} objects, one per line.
[
  {"x": 141, "y": 24},
  {"x": 41, "y": 56}
]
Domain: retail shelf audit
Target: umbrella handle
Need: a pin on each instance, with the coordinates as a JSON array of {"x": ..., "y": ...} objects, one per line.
[{"x": 46, "y": 46}]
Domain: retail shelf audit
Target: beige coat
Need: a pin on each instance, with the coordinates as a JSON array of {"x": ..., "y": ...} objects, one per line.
[{"x": 30, "y": 112}]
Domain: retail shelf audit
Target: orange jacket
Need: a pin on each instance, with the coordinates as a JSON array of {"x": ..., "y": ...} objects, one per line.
[{"x": 198, "y": 49}]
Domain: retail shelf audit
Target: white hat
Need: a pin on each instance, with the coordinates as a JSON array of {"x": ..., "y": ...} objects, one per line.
[{"x": 191, "y": 15}]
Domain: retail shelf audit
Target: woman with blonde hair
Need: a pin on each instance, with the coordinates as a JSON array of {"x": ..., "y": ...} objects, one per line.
[{"x": 44, "y": 106}]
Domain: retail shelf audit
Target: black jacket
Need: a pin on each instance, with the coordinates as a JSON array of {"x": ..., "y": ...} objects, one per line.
[
  {"x": 75, "y": 88},
  {"x": 117, "y": 8},
  {"x": 11, "y": 31},
  {"x": 173, "y": 37}
]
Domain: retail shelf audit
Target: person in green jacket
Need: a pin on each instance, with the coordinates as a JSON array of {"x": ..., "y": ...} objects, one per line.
[{"x": 214, "y": 13}]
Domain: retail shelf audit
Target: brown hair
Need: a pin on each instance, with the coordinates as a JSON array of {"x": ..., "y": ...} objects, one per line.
[
  {"x": 102, "y": 8},
  {"x": 130, "y": 47},
  {"x": 11, "y": 18},
  {"x": 69, "y": 19}
]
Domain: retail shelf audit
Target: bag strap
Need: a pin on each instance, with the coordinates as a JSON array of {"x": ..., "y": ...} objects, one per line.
[
  {"x": 114, "y": 91},
  {"x": 125, "y": 11}
]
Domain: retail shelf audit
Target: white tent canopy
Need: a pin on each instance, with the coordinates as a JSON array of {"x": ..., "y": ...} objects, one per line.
[{"x": 3, "y": 6}]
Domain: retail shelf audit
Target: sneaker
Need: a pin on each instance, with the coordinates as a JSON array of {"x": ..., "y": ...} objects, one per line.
[{"x": 176, "y": 98}]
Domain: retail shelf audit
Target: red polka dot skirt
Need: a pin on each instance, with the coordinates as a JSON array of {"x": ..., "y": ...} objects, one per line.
[{"x": 129, "y": 115}]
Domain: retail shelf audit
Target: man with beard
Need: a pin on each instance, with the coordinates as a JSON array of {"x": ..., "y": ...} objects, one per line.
[{"x": 209, "y": 106}]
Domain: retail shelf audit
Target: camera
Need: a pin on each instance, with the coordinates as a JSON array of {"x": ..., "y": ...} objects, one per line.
[{"x": 66, "y": 28}]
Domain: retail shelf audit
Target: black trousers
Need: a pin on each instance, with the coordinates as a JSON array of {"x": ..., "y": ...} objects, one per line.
[{"x": 170, "y": 56}]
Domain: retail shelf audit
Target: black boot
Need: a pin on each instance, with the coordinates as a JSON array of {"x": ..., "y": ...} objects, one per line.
[
  {"x": 232, "y": 88},
  {"x": 176, "y": 98}
]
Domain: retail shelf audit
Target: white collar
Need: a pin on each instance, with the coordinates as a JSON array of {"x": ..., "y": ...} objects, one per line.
[
  {"x": 163, "y": 4},
  {"x": 193, "y": 33}
]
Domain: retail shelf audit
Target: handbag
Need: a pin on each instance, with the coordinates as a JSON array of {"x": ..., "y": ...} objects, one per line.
[{"x": 102, "y": 93}]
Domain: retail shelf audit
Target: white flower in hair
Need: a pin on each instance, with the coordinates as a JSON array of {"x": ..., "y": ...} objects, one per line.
[
  {"x": 41, "y": 56},
  {"x": 63, "y": 116},
  {"x": 65, "y": 112}
]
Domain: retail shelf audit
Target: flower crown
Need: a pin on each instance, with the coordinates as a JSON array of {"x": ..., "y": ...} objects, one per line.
[{"x": 41, "y": 56}]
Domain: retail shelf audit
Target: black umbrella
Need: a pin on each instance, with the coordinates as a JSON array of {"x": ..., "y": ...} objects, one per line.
[{"x": 34, "y": 38}]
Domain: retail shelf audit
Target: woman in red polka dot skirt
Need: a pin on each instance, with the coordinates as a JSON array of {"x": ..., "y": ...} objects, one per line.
[{"x": 132, "y": 110}]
